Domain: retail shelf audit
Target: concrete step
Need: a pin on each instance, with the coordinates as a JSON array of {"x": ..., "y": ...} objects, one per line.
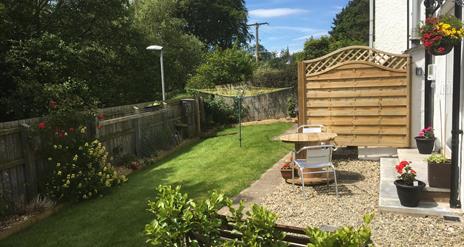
[{"x": 388, "y": 197}]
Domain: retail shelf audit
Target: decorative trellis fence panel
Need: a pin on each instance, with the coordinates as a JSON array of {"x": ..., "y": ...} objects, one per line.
[{"x": 361, "y": 94}]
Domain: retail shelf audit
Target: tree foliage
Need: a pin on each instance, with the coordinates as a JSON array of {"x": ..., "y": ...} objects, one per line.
[
  {"x": 101, "y": 44},
  {"x": 352, "y": 23},
  {"x": 350, "y": 27},
  {"x": 220, "y": 67},
  {"x": 217, "y": 23}
]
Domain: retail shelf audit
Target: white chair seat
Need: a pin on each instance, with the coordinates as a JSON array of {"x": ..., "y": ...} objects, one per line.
[{"x": 303, "y": 164}]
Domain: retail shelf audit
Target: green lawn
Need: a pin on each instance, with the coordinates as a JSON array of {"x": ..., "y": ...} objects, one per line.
[{"x": 118, "y": 219}]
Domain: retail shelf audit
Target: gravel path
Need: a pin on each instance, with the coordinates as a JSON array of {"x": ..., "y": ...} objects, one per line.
[{"x": 358, "y": 187}]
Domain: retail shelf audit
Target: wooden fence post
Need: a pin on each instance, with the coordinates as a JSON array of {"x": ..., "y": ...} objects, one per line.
[
  {"x": 30, "y": 164},
  {"x": 138, "y": 133},
  {"x": 197, "y": 115}
]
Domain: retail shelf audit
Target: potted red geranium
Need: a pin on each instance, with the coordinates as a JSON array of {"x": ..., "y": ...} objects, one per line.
[
  {"x": 440, "y": 34},
  {"x": 425, "y": 141},
  {"x": 286, "y": 170},
  {"x": 408, "y": 188}
]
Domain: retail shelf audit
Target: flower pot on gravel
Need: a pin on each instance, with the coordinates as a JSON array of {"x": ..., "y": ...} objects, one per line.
[
  {"x": 439, "y": 171},
  {"x": 408, "y": 188},
  {"x": 287, "y": 173},
  {"x": 286, "y": 170},
  {"x": 409, "y": 195}
]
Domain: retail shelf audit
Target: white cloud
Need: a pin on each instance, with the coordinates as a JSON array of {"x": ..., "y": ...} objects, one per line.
[
  {"x": 315, "y": 35},
  {"x": 277, "y": 12},
  {"x": 290, "y": 28}
]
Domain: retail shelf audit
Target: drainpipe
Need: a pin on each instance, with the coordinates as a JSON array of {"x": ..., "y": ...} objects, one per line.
[
  {"x": 407, "y": 24},
  {"x": 455, "y": 131},
  {"x": 430, "y": 8},
  {"x": 371, "y": 23},
  {"x": 415, "y": 20}
]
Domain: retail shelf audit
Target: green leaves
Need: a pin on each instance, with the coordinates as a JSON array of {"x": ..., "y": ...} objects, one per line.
[
  {"x": 222, "y": 67},
  {"x": 344, "y": 236}
]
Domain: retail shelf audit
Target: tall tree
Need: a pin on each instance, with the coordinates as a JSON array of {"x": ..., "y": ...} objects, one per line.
[
  {"x": 352, "y": 23},
  {"x": 219, "y": 23}
]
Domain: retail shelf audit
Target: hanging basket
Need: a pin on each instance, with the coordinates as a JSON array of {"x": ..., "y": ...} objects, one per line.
[{"x": 440, "y": 51}]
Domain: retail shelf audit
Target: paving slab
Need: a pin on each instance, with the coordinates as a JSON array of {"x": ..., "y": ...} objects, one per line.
[{"x": 388, "y": 198}]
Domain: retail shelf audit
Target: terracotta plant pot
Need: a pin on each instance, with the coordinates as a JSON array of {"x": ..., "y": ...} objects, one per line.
[
  {"x": 409, "y": 195},
  {"x": 425, "y": 145},
  {"x": 439, "y": 174},
  {"x": 287, "y": 173}
]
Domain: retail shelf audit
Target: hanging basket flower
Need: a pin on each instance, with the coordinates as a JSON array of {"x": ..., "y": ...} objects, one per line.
[{"x": 440, "y": 34}]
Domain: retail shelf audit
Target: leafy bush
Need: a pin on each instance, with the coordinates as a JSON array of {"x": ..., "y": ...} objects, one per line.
[
  {"x": 218, "y": 112},
  {"x": 222, "y": 67},
  {"x": 281, "y": 76},
  {"x": 291, "y": 107},
  {"x": 257, "y": 229},
  {"x": 178, "y": 221},
  {"x": 78, "y": 164},
  {"x": 345, "y": 236}
]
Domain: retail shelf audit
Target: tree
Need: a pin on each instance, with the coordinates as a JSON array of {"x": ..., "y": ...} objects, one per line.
[
  {"x": 217, "y": 23},
  {"x": 350, "y": 27},
  {"x": 220, "y": 67},
  {"x": 352, "y": 23},
  {"x": 316, "y": 47},
  {"x": 157, "y": 20}
]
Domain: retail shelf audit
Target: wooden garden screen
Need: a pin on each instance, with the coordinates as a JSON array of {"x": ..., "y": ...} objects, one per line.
[{"x": 362, "y": 94}]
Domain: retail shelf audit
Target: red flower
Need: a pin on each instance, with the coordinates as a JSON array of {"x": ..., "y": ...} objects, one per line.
[
  {"x": 41, "y": 125},
  {"x": 441, "y": 49},
  {"x": 401, "y": 166},
  {"x": 61, "y": 134},
  {"x": 52, "y": 104},
  {"x": 413, "y": 172},
  {"x": 428, "y": 44},
  {"x": 101, "y": 117}
]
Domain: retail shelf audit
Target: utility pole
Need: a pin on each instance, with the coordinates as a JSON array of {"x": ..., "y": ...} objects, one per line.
[{"x": 256, "y": 25}]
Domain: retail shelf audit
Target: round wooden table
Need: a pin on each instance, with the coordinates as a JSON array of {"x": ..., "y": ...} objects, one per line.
[{"x": 309, "y": 139}]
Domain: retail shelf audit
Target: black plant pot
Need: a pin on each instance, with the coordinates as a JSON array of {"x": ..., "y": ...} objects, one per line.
[
  {"x": 425, "y": 145},
  {"x": 446, "y": 49},
  {"x": 409, "y": 195},
  {"x": 439, "y": 174}
]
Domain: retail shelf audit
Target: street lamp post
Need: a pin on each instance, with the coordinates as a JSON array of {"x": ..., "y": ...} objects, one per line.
[{"x": 159, "y": 48}]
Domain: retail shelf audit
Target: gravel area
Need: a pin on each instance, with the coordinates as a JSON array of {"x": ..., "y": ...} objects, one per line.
[{"x": 358, "y": 188}]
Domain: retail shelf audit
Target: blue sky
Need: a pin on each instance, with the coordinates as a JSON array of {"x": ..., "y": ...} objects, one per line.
[{"x": 291, "y": 22}]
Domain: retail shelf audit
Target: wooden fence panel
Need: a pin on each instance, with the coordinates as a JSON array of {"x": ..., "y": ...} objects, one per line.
[
  {"x": 361, "y": 94},
  {"x": 125, "y": 131}
]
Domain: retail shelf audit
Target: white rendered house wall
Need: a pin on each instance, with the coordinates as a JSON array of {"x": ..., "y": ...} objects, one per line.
[{"x": 390, "y": 32}]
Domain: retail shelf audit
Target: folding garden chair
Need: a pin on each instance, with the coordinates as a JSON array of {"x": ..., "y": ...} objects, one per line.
[{"x": 317, "y": 157}]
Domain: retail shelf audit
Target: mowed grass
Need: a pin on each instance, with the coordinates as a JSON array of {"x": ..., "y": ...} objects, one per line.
[{"x": 118, "y": 219}]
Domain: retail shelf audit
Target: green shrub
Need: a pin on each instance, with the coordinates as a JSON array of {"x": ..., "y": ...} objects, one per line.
[
  {"x": 81, "y": 168},
  {"x": 345, "y": 236},
  {"x": 222, "y": 67},
  {"x": 257, "y": 229},
  {"x": 291, "y": 107},
  {"x": 178, "y": 221},
  {"x": 281, "y": 76},
  {"x": 78, "y": 165},
  {"x": 218, "y": 112}
]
